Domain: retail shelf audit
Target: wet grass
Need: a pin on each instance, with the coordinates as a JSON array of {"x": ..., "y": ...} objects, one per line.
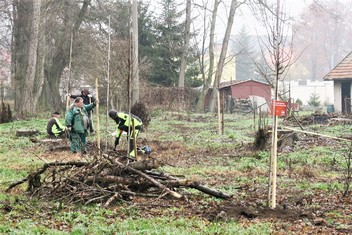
[{"x": 217, "y": 162}]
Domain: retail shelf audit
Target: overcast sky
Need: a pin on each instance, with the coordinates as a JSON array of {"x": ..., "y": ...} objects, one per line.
[{"x": 244, "y": 16}]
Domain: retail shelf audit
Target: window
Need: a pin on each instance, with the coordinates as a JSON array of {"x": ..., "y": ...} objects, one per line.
[{"x": 302, "y": 82}]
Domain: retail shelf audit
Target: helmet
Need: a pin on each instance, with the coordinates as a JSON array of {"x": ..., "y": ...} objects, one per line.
[{"x": 112, "y": 113}]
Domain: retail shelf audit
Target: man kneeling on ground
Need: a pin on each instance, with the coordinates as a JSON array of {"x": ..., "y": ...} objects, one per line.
[{"x": 54, "y": 128}]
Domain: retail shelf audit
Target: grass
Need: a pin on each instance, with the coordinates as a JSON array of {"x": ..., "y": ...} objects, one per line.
[
  {"x": 165, "y": 225},
  {"x": 198, "y": 134},
  {"x": 95, "y": 220}
]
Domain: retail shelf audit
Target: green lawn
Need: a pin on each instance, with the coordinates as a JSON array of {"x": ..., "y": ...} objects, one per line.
[{"x": 218, "y": 160}]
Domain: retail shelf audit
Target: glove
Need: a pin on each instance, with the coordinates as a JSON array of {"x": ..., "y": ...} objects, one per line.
[
  {"x": 116, "y": 142},
  {"x": 95, "y": 102}
]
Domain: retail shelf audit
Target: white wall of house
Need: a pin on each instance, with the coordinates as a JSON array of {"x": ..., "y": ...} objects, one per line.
[
  {"x": 303, "y": 89},
  {"x": 337, "y": 97}
]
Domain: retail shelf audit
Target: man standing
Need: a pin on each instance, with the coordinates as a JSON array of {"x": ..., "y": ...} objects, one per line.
[
  {"x": 87, "y": 99},
  {"x": 77, "y": 122},
  {"x": 54, "y": 128},
  {"x": 125, "y": 123}
]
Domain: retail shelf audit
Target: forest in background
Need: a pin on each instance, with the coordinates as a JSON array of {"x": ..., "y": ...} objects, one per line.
[{"x": 37, "y": 61}]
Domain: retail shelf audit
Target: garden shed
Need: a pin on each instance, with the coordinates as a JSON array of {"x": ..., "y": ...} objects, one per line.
[
  {"x": 257, "y": 92},
  {"x": 245, "y": 89},
  {"x": 341, "y": 75}
]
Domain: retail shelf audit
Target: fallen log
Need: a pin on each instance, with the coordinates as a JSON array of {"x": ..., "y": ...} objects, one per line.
[
  {"x": 196, "y": 185},
  {"x": 339, "y": 121},
  {"x": 24, "y": 132},
  {"x": 45, "y": 141},
  {"x": 109, "y": 179},
  {"x": 212, "y": 192}
]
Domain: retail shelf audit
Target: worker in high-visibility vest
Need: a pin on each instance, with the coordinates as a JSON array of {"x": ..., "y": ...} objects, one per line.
[
  {"x": 124, "y": 124},
  {"x": 54, "y": 128}
]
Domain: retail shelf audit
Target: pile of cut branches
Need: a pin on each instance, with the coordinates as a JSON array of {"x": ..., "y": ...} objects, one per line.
[{"x": 105, "y": 180}]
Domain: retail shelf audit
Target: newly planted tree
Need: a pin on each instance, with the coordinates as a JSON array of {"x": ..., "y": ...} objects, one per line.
[{"x": 348, "y": 171}]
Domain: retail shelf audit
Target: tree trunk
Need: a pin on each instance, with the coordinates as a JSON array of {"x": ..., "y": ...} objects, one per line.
[
  {"x": 21, "y": 16},
  {"x": 181, "y": 78},
  {"x": 40, "y": 76},
  {"x": 135, "y": 64},
  {"x": 222, "y": 56},
  {"x": 313, "y": 69},
  {"x": 57, "y": 63},
  {"x": 32, "y": 80},
  {"x": 29, "y": 92},
  {"x": 200, "y": 104},
  {"x": 53, "y": 70}
]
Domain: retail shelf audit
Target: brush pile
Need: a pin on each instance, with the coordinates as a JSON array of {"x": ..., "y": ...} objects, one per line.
[{"x": 105, "y": 180}]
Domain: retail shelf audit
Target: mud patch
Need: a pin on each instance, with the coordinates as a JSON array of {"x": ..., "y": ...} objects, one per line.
[{"x": 232, "y": 211}]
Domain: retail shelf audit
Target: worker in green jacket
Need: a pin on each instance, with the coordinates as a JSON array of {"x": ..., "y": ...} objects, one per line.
[
  {"x": 54, "y": 128},
  {"x": 77, "y": 122},
  {"x": 126, "y": 123}
]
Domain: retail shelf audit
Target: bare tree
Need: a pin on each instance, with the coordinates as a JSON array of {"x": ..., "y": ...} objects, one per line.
[
  {"x": 31, "y": 89},
  {"x": 5, "y": 45},
  {"x": 348, "y": 173},
  {"x": 322, "y": 30},
  {"x": 276, "y": 45},
  {"x": 221, "y": 63},
  {"x": 277, "y": 54},
  {"x": 135, "y": 64},
  {"x": 58, "y": 56},
  {"x": 38, "y": 63},
  {"x": 181, "y": 79},
  {"x": 207, "y": 78}
]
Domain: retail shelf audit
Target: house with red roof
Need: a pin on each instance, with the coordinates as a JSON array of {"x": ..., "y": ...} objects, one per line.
[{"x": 341, "y": 75}]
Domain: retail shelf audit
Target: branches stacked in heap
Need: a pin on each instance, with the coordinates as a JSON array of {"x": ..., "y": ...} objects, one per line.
[{"x": 105, "y": 180}]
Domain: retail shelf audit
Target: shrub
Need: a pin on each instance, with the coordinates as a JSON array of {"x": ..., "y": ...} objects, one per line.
[{"x": 314, "y": 100}]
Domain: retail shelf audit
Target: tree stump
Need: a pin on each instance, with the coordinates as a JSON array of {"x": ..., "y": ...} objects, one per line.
[{"x": 24, "y": 132}]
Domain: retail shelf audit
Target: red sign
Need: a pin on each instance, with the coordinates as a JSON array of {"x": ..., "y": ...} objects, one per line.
[{"x": 280, "y": 108}]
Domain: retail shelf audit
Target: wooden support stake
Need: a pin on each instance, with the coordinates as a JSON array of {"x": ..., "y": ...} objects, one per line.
[
  {"x": 97, "y": 113},
  {"x": 69, "y": 74},
  {"x": 134, "y": 138}
]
